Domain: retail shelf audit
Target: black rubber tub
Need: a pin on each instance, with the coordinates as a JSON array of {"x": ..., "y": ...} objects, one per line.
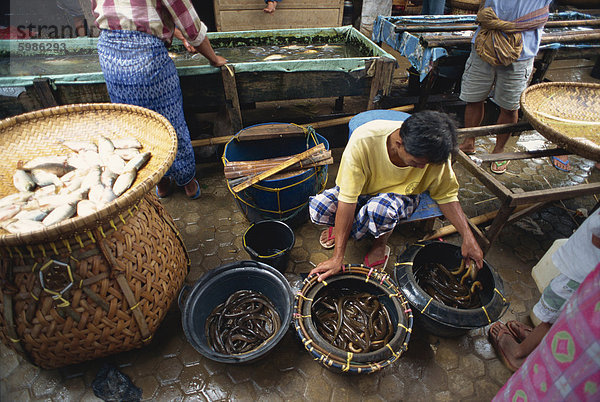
[
  {"x": 199, "y": 300},
  {"x": 438, "y": 318},
  {"x": 270, "y": 242}
]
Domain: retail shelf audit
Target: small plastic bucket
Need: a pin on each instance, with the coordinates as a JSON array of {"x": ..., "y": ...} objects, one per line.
[
  {"x": 270, "y": 242},
  {"x": 196, "y": 302}
]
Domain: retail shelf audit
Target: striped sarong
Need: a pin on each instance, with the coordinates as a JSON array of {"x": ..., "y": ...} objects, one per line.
[{"x": 138, "y": 71}]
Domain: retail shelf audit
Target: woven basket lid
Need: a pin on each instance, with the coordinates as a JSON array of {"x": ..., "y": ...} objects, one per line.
[
  {"x": 566, "y": 113},
  {"x": 39, "y": 133}
]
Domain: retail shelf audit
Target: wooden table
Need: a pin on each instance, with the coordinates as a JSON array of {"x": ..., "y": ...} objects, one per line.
[{"x": 510, "y": 200}]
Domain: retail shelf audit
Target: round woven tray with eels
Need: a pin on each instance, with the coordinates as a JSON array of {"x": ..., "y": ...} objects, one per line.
[{"x": 566, "y": 113}]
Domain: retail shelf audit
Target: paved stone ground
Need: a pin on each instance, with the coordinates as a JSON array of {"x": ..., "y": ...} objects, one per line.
[{"x": 434, "y": 368}]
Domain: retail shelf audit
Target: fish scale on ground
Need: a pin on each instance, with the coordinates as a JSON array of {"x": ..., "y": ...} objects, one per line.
[{"x": 52, "y": 189}]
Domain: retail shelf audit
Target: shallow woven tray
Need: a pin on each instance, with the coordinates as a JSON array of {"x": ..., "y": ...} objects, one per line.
[
  {"x": 38, "y": 133},
  {"x": 566, "y": 113}
]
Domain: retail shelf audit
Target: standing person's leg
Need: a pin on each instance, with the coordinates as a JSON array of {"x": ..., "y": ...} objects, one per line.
[
  {"x": 477, "y": 82},
  {"x": 511, "y": 81},
  {"x": 138, "y": 71},
  {"x": 271, "y": 6},
  {"x": 433, "y": 7}
]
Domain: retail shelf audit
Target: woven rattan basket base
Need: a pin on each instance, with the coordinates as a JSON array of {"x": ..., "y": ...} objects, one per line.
[{"x": 81, "y": 298}]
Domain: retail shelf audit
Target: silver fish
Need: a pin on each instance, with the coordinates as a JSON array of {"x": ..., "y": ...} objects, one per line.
[
  {"x": 92, "y": 178},
  {"x": 57, "y": 165},
  {"x": 108, "y": 177},
  {"x": 127, "y": 142},
  {"x": 23, "y": 181},
  {"x": 127, "y": 154},
  {"x": 86, "y": 207},
  {"x": 22, "y": 226},
  {"x": 105, "y": 146},
  {"x": 33, "y": 215},
  {"x": 15, "y": 198},
  {"x": 9, "y": 211},
  {"x": 95, "y": 194},
  {"x": 124, "y": 181},
  {"x": 79, "y": 161},
  {"x": 137, "y": 162},
  {"x": 92, "y": 158},
  {"x": 115, "y": 163},
  {"x": 79, "y": 146},
  {"x": 60, "y": 214},
  {"x": 45, "y": 191},
  {"x": 43, "y": 177}
]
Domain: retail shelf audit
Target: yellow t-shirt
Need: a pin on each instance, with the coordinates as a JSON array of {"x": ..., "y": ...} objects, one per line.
[{"x": 366, "y": 169}]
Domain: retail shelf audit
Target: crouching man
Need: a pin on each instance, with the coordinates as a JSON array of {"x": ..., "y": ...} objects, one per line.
[{"x": 384, "y": 168}]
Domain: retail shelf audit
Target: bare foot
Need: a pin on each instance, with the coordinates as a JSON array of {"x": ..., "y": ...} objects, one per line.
[
  {"x": 270, "y": 9},
  {"x": 377, "y": 256},
  {"x": 468, "y": 146}
]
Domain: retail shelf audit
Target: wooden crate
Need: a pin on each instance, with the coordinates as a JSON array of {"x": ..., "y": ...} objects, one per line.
[{"x": 247, "y": 15}]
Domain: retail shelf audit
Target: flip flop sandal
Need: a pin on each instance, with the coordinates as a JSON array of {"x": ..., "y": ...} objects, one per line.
[
  {"x": 519, "y": 330},
  {"x": 196, "y": 195},
  {"x": 499, "y": 167},
  {"x": 383, "y": 261},
  {"x": 560, "y": 164},
  {"x": 497, "y": 330},
  {"x": 330, "y": 237},
  {"x": 169, "y": 189}
]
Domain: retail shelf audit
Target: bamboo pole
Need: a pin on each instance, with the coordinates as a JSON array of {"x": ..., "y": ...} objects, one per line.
[
  {"x": 477, "y": 220},
  {"x": 261, "y": 176},
  {"x": 327, "y": 123}
]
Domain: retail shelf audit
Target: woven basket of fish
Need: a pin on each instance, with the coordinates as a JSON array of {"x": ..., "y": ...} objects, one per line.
[
  {"x": 448, "y": 297},
  {"x": 566, "y": 113},
  {"x": 84, "y": 281},
  {"x": 356, "y": 322}
]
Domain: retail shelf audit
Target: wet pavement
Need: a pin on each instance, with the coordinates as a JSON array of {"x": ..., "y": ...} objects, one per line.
[{"x": 434, "y": 368}]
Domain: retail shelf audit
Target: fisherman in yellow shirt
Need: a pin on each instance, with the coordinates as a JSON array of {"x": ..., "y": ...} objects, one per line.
[{"x": 384, "y": 168}]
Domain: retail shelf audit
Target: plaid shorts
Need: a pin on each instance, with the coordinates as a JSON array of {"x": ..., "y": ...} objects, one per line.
[{"x": 376, "y": 214}]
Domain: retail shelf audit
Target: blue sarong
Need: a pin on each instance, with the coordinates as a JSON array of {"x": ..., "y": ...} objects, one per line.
[{"x": 138, "y": 71}]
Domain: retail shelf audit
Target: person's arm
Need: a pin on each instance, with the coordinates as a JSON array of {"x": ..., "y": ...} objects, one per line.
[
  {"x": 344, "y": 217},
  {"x": 470, "y": 249},
  {"x": 205, "y": 49}
]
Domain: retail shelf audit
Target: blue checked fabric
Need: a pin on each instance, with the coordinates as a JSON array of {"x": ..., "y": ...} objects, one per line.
[
  {"x": 138, "y": 71},
  {"x": 376, "y": 214}
]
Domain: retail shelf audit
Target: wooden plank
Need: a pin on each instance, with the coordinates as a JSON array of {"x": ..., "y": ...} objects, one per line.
[
  {"x": 295, "y": 166},
  {"x": 232, "y": 102},
  {"x": 489, "y": 181},
  {"x": 260, "y": 4},
  {"x": 498, "y": 223},
  {"x": 381, "y": 82},
  {"x": 555, "y": 194},
  {"x": 243, "y": 20},
  {"x": 268, "y": 131},
  {"x": 44, "y": 92},
  {"x": 511, "y": 156},
  {"x": 495, "y": 129},
  {"x": 472, "y": 27},
  {"x": 277, "y": 169}
]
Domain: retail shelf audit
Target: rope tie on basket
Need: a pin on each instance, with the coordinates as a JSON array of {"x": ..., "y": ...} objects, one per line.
[
  {"x": 73, "y": 258},
  {"x": 427, "y": 305},
  {"x": 346, "y": 367},
  {"x": 53, "y": 247},
  {"x": 396, "y": 355},
  {"x": 121, "y": 218},
  {"x": 409, "y": 263},
  {"x": 501, "y": 295},
  {"x": 34, "y": 266},
  {"x": 67, "y": 245},
  {"x": 78, "y": 238},
  {"x": 147, "y": 339},
  {"x": 394, "y": 295},
  {"x": 304, "y": 297},
  {"x": 30, "y": 249},
  {"x": 486, "y": 314},
  {"x": 102, "y": 232},
  {"x": 298, "y": 315},
  {"x": 91, "y": 236},
  {"x": 368, "y": 275},
  {"x": 18, "y": 252},
  {"x": 34, "y": 296},
  {"x": 43, "y": 249},
  {"x": 112, "y": 224},
  {"x": 134, "y": 306},
  {"x": 409, "y": 330}
]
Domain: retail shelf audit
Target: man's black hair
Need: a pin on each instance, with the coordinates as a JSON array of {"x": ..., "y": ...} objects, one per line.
[{"x": 429, "y": 134}]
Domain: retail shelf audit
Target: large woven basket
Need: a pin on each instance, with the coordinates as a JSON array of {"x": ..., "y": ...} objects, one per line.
[
  {"x": 566, "y": 113},
  {"x": 96, "y": 285}
]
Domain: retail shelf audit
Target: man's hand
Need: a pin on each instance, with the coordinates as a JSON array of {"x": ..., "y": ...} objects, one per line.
[
  {"x": 471, "y": 251},
  {"x": 218, "y": 61},
  {"x": 327, "y": 268}
]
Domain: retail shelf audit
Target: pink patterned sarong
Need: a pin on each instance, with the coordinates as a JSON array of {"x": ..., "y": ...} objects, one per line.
[{"x": 566, "y": 364}]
